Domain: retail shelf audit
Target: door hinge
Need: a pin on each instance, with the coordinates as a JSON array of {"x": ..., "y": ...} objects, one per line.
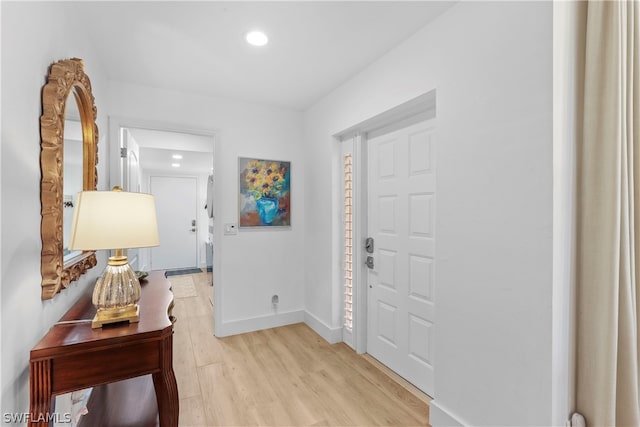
[{"x": 123, "y": 152}]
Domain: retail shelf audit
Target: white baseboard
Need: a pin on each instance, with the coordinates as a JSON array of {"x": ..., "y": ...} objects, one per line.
[
  {"x": 440, "y": 416},
  {"x": 331, "y": 335},
  {"x": 258, "y": 323}
]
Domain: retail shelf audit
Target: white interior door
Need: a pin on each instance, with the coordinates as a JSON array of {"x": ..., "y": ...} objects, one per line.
[
  {"x": 176, "y": 209},
  {"x": 133, "y": 174},
  {"x": 131, "y": 182},
  {"x": 401, "y": 209}
]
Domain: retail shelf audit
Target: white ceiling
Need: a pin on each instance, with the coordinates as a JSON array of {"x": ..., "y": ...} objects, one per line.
[
  {"x": 199, "y": 46},
  {"x": 160, "y": 160},
  {"x": 158, "y": 147}
]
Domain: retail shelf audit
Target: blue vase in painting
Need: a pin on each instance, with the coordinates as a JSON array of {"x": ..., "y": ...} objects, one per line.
[{"x": 267, "y": 209}]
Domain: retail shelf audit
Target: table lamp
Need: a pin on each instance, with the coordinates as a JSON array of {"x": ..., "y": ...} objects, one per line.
[{"x": 114, "y": 220}]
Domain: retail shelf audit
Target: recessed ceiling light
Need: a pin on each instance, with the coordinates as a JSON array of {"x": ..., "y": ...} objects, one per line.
[
  {"x": 257, "y": 38},
  {"x": 177, "y": 156},
  {"x": 175, "y": 165}
]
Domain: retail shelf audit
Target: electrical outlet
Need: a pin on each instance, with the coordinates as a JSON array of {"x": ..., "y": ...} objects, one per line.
[
  {"x": 230, "y": 229},
  {"x": 274, "y": 299}
]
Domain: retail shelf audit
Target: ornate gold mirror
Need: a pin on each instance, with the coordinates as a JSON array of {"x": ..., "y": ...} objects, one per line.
[{"x": 68, "y": 165}]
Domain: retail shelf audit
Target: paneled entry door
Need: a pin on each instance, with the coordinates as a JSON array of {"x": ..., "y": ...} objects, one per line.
[
  {"x": 401, "y": 209},
  {"x": 176, "y": 210}
]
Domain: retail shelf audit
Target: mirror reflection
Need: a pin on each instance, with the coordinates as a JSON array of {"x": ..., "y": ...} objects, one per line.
[{"x": 73, "y": 171}]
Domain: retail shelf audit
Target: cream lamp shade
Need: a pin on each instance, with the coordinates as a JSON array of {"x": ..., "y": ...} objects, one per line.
[{"x": 114, "y": 220}]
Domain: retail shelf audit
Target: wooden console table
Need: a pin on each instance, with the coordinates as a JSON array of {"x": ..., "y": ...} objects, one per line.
[{"x": 73, "y": 356}]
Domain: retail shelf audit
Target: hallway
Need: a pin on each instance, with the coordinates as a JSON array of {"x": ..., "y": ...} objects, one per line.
[{"x": 287, "y": 376}]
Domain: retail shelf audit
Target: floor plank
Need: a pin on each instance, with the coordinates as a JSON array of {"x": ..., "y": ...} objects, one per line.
[
  {"x": 192, "y": 412},
  {"x": 287, "y": 376}
]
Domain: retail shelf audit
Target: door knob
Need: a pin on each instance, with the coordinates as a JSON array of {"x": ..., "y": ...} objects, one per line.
[{"x": 369, "y": 262}]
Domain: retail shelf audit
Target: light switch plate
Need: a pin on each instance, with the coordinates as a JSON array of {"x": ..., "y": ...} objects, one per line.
[{"x": 230, "y": 229}]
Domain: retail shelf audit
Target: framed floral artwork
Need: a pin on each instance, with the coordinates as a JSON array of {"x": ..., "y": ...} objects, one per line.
[{"x": 265, "y": 193}]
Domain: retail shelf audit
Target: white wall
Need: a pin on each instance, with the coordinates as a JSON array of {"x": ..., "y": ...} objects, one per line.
[
  {"x": 30, "y": 43},
  {"x": 252, "y": 265},
  {"x": 491, "y": 65}
]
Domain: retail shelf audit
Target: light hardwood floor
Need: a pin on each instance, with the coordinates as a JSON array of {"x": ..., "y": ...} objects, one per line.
[{"x": 287, "y": 376}]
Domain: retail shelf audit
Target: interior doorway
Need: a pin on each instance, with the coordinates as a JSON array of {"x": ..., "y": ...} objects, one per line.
[{"x": 148, "y": 153}]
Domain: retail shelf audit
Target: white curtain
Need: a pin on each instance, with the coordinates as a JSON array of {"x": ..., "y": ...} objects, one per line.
[{"x": 608, "y": 223}]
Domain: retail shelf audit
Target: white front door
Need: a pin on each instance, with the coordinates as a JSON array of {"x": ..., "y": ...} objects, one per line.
[
  {"x": 176, "y": 209},
  {"x": 401, "y": 209}
]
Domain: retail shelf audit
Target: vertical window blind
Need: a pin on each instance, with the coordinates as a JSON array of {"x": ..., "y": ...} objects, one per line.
[{"x": 348, "y": 242}]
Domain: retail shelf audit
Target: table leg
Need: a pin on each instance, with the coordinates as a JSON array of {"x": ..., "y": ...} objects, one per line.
[
  {"x": 40, "y": 390},
  {"x": 166, "y": 387}
]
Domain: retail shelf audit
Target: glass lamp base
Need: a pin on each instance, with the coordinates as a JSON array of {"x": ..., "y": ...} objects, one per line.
[{"x": 116, "y": 293}]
